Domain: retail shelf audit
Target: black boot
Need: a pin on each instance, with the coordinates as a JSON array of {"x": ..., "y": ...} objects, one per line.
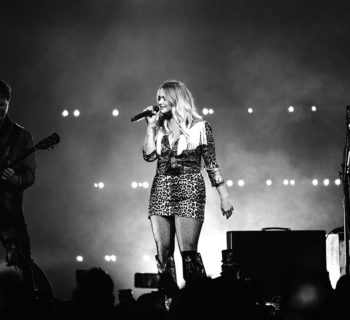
[
  {"x": 168, "y": 281},
  {"x": 193, "y": 267},
  {"x": 168, "y": 267}
]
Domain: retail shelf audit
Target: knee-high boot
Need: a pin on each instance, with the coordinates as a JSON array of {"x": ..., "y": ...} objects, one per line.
[
  {"x": 167, "y": 267},
  {"x": 193, "y": 267},
  {"x": 168, "y": 281}
]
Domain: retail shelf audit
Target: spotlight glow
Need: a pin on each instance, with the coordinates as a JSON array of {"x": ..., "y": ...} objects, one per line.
[
  {"x": 134, "y": 184},
  {"x": 101, "y": 185},
  {"x": 250, "y": 110},
  {"x": 76, "y": 113},
  {"x": 205, "y": 111},
  {"x": 291, "y": 109},
  {"x": 337, "y": 182},
  {"x": 241, "y": 182},
  {"x": 210, "y": 111},
  {"x": 145, "y": 184},
  {"x": 292, "y": 182},
  {"x": 146, "y": 258},
  {"x": 313, "y": 108},
  {"x": 115, "y": 113},
  {"x": 229, "y": 183},
  {"x": 326, "y": 182},
  {"x": 107, "y": 258},
  {"x": 315, "y": 182},
  {"x": 269, "y": 182},
  {"x": 113, "y": 258},
  {"x": 286, "y": 182},
  {"x": 80, "y": 258},
  {"x": 65, "y": 113}
]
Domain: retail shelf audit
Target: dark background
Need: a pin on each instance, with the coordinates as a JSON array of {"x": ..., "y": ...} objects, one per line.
[{"x": 99, "y": 55}]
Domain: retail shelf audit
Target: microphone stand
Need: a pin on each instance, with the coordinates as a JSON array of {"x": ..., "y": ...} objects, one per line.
[{"x": 345, "y": 175}]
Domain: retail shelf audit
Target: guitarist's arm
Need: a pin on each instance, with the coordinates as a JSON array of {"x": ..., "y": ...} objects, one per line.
[{"x": 22, "y": 175}]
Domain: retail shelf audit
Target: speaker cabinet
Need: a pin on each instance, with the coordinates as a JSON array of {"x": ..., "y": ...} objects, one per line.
[
  {"x": 273, "y": 257},
  {"x": 336, "y": 256}
]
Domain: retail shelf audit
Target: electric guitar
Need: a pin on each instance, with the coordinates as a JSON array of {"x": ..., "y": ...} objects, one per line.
[{"x": 45, "y": 144}]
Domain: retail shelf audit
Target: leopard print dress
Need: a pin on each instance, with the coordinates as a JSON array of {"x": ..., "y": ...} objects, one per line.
[{"x": 178, "y": 187}]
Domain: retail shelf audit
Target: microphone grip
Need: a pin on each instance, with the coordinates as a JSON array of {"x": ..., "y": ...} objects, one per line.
[
  {"x": 141, "y": 115},
  {"x": 144, "y": 114}
]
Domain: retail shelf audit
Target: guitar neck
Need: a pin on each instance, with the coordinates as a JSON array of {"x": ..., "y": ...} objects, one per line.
[
  {"x": 44, "y": 144},
  {"x": 18, "y": 160}
]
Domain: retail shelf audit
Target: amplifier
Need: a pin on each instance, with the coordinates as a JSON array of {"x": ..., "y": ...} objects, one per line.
[{"x": 273, "y": 256}]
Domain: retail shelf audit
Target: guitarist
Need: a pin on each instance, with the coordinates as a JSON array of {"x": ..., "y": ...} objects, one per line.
[{"x": 14, "y": 142}]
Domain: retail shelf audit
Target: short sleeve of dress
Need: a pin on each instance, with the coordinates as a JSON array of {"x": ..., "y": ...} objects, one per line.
[
  {"x": 150, "y": 157},
  {"x": 209, "y": 157}
]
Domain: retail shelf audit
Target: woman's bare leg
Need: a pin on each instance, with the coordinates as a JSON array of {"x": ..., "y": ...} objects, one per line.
[
  {"x": 163, "y": 229},
  {"x": 187, "y": 233}
]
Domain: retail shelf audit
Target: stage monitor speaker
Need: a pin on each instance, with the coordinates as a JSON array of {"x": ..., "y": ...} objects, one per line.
[{"x": 272, "y": 257}]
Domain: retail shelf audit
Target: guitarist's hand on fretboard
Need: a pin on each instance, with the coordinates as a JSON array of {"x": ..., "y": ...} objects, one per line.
[{"x": 10, "y": 176}]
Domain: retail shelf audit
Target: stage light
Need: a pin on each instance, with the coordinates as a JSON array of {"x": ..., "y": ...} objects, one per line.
[
  {"x": 80, "y": 258},
  {"x": 205, "y": 111},
  {"x": 337, "y": 182},
  {"x": 250, "y": 110},
  {"x": 229, "y": 183},
  {"x": 269, "y": 182},
  {"x": 146, "y": 258},
  {"x": 65, "y": 113},
  {"x": 240, "y": 183},
  {"x": 113, "y": 258},
  {"x": 115, "y": 113},
  {"x": 292, "y": 182},
  {"x": 210, "y": 111},
  {"x": 315, "y": 182},
  {"x": 134, "y": 184},
  {"x": 145, "y": 184},
  {"x": 107, "y": 258},
  {"x": 99, "y": 185},
  {"x": 313, "y": 108},
  {"x": 285, "y": 182},
  {"x": 291, "y": 109},
  {"x": 76, "y": 113},
  {"x": 326, "y": 182}
]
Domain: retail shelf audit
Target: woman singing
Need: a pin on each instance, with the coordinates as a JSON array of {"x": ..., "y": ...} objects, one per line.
[{"x": 179, "y": 139}]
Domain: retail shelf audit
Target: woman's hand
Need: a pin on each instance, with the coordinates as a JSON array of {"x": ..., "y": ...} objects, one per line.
[
  {"x": 152, "y": 120},
  {"x": 226, "y": 206}
]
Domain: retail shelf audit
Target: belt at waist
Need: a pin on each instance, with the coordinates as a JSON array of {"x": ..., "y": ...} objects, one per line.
[{"x": 180, "y": 170}]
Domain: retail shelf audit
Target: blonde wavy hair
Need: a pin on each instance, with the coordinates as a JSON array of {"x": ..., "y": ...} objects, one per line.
[{"x": 182, "y": 106}]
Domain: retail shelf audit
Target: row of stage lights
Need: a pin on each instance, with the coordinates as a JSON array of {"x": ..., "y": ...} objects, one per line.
[
  {"x": 107, "y": 257},
  {"x": 240, "y": 183},
  {"x": 112, "y": 258},
  {"x": 76, "y": 113},
  {"x": 286, "y": 182},
  {"x": 205, "y": 111}
]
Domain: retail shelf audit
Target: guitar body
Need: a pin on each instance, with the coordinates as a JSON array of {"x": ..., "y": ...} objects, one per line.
[
  {"x": 43, "y": 291},
  {"x": 14, "y": 292}
]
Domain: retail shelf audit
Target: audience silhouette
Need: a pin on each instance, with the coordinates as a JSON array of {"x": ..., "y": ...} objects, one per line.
[{"x": 304, "y": 296}]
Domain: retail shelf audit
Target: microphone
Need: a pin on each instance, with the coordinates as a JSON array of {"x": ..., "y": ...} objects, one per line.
[{"x": 144, "y": 114}]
